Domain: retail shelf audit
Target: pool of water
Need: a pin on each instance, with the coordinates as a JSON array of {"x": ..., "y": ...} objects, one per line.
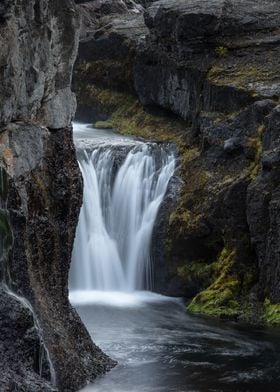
[{"x": 159, "y": 348}]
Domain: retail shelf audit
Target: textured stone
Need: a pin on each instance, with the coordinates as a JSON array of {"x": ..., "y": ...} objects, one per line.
[
  {"x": 208, "y": 55},
  {"x": 41, "y": 335},
  {"x": 38, "y": 41}
]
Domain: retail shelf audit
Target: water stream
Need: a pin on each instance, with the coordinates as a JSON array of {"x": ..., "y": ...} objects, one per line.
[
  {"x": 159, "y": 348},
  {"x": 124, "y": 185}
]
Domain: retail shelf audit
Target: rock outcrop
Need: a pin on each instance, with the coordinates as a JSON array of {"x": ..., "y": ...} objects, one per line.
[
  {"x": 43, "y": 343},
  {"x": 204, "y": 74}
]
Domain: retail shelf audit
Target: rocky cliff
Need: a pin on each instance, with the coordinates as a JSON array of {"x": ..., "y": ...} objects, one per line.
[
  {"x": 43, "y": 344},
  {"x": 204, "y": 74}
]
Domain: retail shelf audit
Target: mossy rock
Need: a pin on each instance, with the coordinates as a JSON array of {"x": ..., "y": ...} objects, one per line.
[
  {"x": 220, "y": 299},
  {"x": 271, "y": 313},
  {"x": 104, "y": 125}
]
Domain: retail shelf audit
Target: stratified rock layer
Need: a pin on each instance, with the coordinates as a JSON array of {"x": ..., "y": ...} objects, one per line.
[{"x": 43, "y": 343}]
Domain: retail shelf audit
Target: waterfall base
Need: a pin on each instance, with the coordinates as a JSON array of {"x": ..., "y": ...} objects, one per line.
[{"x": 115, "y": 298}]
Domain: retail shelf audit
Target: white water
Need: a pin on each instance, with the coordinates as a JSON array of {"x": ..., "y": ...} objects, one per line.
[
  {"x": 44, "y": 352},
  {"x": 120, "y": 206}
]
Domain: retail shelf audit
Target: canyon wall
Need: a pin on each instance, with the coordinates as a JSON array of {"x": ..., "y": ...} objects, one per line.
[
  {"x": 203, "y": 74},
  {"x": 43, "y": 343}
]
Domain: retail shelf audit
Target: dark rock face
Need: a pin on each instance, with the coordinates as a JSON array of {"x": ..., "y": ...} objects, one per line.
[
  {"x": 109, "y": 36},
  {"x": 43, "y": 344},
  {"x": 196, "y": 56},
  {"x": 38, "y": 47},
  {"x": 263, "y": 210}
]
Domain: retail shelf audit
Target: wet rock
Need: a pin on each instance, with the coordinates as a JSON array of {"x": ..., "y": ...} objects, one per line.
[
  {"x": 263, "y": 210},
  {"x": 40, "y": 199}
]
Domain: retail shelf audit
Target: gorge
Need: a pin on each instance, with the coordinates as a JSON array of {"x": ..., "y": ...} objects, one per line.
[{"x": 159, "y": 217}]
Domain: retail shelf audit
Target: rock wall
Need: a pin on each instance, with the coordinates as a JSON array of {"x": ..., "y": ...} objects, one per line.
[
  {"x": 203, "y": 74},
  {"x": 43, "y": 344}
]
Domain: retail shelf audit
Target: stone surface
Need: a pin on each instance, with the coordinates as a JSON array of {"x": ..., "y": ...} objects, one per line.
[
  {"x": 38, "y": 48},
  {"x": 208, "y": 55},
  {"x": 109, "y": 36},
  {"x": 43, "y": 343}
]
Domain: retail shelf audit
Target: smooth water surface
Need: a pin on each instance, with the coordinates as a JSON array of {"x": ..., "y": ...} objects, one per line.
[{"x": 159, "y": 348}]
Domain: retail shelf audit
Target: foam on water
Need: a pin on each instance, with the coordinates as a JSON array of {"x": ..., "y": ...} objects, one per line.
[{"x": 117, "y": 298}]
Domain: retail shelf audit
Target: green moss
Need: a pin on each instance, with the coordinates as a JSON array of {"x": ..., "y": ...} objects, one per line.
[
  {"x": 178, "y": 216},
  {"x": 221, "y": 51},
  {"x": 256, "y": 146},
  {"x": 220, "y": 299},
  {"x": 129, "y": 117},
  {"x": 224, "y": 297},
  {"x": 271, "y": 313},
  {"x": 195, "y": 270},
  {"x": 240, "y": 76},
  {"x": 104, "y": 124}
]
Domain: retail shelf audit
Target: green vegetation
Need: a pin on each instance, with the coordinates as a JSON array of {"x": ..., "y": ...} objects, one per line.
[
  {"x": 220, "y": 298},
  {"x": 221, "y": 51},
  {"x": 271, "y": 313},
  {"x": 256, "y": 147},
  {"x": 195, "y": 270},
  {"x": 240, "y": 76},
  {"x": 129, "y": 117},
  {"x": 104, "y": 124},
  {"x": 224, "y": 297}
]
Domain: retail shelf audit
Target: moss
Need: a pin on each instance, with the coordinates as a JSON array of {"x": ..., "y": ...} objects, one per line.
[
  {"x": 256, "y": 146},
  {"x": 240, "y": 76},
  {"x": 220, "y": 299},
  {"x": 195, "y": 270},
  {"x": 104, "y": 124},
  {"x": 107, "y": 72},
  {"x": 221, "y": 51},
  {"x": 271, "y": 313},
  {"x": 231, "y": 282},
  {"x": 129, "y": 117}
]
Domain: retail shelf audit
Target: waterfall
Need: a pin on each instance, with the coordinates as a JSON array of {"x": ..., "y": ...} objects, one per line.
[{"x": 123, "y": 190}]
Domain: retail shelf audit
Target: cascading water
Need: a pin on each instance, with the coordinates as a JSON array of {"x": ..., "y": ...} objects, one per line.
[{"x": 124, "y": 185}]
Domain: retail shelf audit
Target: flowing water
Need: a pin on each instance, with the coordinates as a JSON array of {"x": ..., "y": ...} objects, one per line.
[
  {"x": 159, "y": 348},
  {"x": 124, "y": 185}
]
